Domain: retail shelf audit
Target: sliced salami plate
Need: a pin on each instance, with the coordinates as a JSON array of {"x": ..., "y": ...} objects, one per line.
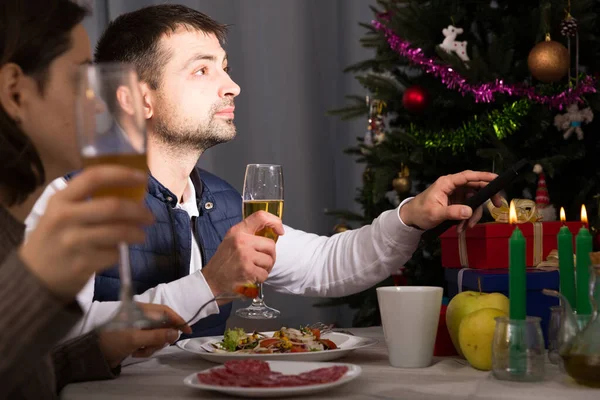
[
  {"x": 345, "y": 344},
  {"x": 262, "y": 379}
]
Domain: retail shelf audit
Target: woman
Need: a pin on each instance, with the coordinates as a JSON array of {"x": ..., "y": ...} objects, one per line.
[{"x": 41, "y": 44}]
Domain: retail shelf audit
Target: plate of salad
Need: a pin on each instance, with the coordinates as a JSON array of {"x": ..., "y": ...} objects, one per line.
[{"x": 287, "y": 344}]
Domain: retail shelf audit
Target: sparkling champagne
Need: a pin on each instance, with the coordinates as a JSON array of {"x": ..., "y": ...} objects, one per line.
[
  {"x": 134, "y": 161},
  {"x": 274, "y": 207}
]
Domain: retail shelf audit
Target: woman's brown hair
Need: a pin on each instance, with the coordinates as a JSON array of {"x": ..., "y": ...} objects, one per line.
[{"x": 32, "y": 34}]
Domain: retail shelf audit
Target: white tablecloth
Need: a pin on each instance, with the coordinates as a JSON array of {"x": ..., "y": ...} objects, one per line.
[{"x": 161, "y": 377}]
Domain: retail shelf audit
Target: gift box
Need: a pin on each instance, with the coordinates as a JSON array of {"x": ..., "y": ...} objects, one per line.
[
  {"x": 496, "y": 281},
  {"x": 399, "y": 277},
  {"x": 485, "y": 246},
  {"x": 443, "y": 343}
]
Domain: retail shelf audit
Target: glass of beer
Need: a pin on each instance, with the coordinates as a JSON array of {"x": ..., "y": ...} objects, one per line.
[
  {"x": 263, "y": 191},
  {"x": 111, "y": 130}
]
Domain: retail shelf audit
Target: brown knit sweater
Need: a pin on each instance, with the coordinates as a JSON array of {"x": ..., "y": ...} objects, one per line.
[{"x": 32, "y": 322}]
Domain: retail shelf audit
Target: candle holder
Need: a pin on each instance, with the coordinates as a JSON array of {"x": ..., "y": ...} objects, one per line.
[
  {"x": 554, "y": 342},
  {"x": 553, "y": 336},
  {"x": 583, "y": 320},
  {"x": 518, "y": 350}
]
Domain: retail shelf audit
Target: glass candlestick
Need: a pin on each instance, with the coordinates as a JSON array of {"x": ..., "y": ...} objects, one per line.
[{"x": 518, "y": 350}]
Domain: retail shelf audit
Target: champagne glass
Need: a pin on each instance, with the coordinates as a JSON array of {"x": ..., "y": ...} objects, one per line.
[
  {"x": 111, "y": 130},
  {"x": 263, "y": 190}
]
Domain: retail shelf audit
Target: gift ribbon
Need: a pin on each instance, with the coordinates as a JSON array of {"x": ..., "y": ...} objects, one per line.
[
  {"x": 551, "y": 262},
  {"x": 538, "y": 245},
  {"x": 526, "y": 211},
  {"x": 538, "y": 242},
  {"x": 459, "y": 278},
  {"x": 462, "y": 249}
]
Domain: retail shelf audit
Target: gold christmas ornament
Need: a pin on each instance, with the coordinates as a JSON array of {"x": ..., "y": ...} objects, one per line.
[
  {"x": 402, "y": 184},
  {"x": 367, "y": 175},
  {"x": 341, "y": 227},
  {"x": 548, "y": 61}
]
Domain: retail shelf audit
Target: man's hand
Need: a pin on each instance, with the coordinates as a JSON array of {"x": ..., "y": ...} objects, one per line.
[
  {"x": 79, "y": 236},
  {"x": 117, "y": 345},
  {"x": 243, "y": 257},
  {"x": 441, "y": 201}
]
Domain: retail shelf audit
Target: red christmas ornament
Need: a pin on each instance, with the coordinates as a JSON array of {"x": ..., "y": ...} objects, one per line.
[
  {"x": 415, "y": 99},
  {"x": 384, "y": 16}
]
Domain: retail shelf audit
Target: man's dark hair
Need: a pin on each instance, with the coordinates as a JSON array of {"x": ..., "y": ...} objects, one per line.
[
  {"x": 134, "y": 37},
  {"x": 33, "y": 33}
]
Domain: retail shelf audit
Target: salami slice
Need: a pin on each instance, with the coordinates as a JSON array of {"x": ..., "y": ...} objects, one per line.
[
  {"x": 256, "y": 373},
  {"x": 212, "y": 379},
  {"x": 248, "y": 367},
  {"x": 291, "y": 380},
  {"x": 325, "y": 375}
]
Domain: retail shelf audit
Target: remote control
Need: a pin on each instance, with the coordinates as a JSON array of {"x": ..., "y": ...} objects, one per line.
[{"x": 480, "y": 197}]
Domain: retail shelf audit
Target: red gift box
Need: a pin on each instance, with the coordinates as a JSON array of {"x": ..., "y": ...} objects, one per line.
[
  {"x": 443, "y": 343},
  {"x": 399, "y": 277},
  {"x": 485, "y": 246}
]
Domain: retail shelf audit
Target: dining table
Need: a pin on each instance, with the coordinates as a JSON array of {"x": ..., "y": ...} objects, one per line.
[{"x": 161, "y": 377}]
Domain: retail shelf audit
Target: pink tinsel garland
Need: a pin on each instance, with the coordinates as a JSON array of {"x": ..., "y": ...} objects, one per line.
[{"x": 482, "y": 92}]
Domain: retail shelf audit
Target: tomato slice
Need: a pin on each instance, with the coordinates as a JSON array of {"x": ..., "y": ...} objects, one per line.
[
  {"x": 268, "y": 342},
  {"x": 328, "y": 343},
  {"x": 316, "y": 333},
  {"x": 249, "y": 290},
  {"x": 298, "y": 349}
]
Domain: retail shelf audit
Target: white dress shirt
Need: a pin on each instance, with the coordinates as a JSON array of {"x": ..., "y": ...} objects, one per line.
[{"x": 307, "y": 264}]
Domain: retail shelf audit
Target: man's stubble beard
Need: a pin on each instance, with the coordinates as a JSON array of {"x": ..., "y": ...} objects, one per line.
[{"x": 199, "y": 138}]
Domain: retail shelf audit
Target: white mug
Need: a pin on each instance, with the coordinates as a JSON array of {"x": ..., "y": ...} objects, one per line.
[{"x": 410, "y": 316}]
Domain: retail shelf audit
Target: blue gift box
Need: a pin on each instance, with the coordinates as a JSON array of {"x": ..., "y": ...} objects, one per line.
[{"x": 496, "y": 280}]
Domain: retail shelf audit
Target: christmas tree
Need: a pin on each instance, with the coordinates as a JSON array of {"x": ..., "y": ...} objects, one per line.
[{"x": 478, "y": 85}]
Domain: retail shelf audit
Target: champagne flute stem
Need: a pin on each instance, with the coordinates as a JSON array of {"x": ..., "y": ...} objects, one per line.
[
  {"x": 259, "y": 300},
  {"x": 129, "y": 314},
  {"x": 126, "y": 294}
]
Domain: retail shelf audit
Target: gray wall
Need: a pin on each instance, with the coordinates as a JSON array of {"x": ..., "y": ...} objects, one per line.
[{"x": 288, "y": 57}]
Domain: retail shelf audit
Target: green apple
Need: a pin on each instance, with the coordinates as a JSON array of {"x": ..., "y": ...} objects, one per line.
[
  {"x": 475, "y": 335},
  {"x": 465, "y": 303}
]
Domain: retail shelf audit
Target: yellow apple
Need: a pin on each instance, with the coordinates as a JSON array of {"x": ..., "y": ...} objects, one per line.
[
  {"x": 465, "y": 303},
  {"x": 475, "y": 335}
]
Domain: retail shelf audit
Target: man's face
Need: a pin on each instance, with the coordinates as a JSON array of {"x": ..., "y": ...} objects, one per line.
[{"x": 193, "y": 105}]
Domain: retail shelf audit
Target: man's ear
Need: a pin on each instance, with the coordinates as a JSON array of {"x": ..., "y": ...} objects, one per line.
[
  {"x": 147, "y": 100},
  {"x": 12, "y": 90}
]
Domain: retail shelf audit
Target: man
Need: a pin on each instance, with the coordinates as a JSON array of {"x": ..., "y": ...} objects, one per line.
[{"x": 200, "y": 247}]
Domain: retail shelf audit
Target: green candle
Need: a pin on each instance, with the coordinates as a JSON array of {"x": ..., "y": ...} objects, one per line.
[
  {"x": 565, "y": 262},
  {"x": 517, "y": 293},
  {"x": 583, "y": 243},
  {"x": 516, "y": 270}
]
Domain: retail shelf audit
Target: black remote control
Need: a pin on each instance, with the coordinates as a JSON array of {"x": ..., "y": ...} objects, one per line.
[{"x": 480, "y": 197}]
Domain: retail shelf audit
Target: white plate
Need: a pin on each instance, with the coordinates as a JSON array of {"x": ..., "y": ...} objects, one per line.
[
  {"x": 285, "y": 367},
  {"x": 345, "y": 343}
]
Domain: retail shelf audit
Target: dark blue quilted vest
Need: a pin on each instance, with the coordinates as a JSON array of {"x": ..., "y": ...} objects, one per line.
[{"x": 165, "y": 256}]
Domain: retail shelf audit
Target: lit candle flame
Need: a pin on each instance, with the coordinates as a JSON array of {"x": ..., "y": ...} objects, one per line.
[
  {"x": 512, "y": 213},
  {"x": 584, "y": 215},
  {"x": 563, "y": 218}
]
